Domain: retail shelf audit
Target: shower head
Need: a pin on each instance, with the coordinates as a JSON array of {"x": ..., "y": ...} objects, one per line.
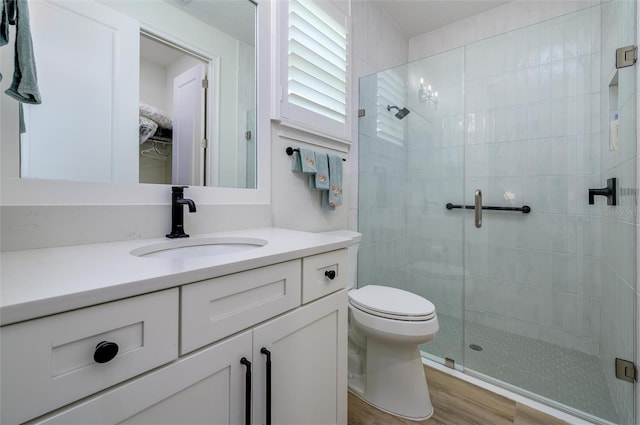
[{"x": 401, "y": 112}]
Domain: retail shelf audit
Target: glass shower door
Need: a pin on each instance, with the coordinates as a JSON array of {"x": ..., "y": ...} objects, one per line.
[
  {"x": 410, "y": 166},
  {"x": 549, "y": 294},
  {"x": 435, "y": 148}
]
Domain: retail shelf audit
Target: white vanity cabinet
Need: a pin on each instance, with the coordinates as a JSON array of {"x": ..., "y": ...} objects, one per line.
[
  {"x": 213, "y": 330},
  {"x": 308, "y": 378}
]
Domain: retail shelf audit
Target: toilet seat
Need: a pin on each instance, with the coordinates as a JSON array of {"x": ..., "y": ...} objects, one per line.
[{"x": 392, "y": 303}]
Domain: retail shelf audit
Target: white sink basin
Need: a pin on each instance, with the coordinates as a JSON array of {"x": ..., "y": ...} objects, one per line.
[{"x": 205, "y": 247}]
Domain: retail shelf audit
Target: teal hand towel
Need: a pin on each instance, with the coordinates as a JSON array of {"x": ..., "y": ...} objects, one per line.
[
  {"x": 296, "y": 164},
  {"x": 304, "y": 161},
  {"x": 333, "y": 197},
  {"x": 320, "y": 180},
  {"x": 24, "y": 87},
  {"x": 4, "y": 24}
]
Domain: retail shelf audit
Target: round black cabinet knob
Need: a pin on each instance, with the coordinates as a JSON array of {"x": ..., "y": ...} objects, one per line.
[
  {"x": 105, "y": 351},
  {"x": 331, "y": 274}
]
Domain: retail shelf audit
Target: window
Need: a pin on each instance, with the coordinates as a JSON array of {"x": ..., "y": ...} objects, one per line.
[
  {"x": 391, "y": 91},
  {"x": 315, "y": 65}
]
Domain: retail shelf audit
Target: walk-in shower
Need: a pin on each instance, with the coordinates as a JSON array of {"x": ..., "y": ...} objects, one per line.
[{"x": 538, "y": 299}]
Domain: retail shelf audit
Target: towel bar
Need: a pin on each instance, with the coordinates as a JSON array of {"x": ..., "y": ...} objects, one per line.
[
  {"x": 526, "y": 209},
  {"x": 289, "y": 150}
]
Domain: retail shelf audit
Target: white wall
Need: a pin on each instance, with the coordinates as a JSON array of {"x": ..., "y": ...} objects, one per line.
[{"x": 152, "y": 84}]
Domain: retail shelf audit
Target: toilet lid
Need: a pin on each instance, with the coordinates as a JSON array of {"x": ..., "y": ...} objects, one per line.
[{"x": 392, "y": 303}]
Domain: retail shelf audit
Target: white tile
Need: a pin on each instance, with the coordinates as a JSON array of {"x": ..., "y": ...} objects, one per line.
[
  {"x": 571, "y": 116},
  {"x": 522, "y": 86},
  {"x": 570, "y": 76},
  {"x": 558, "y": 89},
  {"x": 584, "y": 33},
  {"x": 570, "y": 27},
  {"x": 533, "y": 46},
  {"x": 557, "y": 41}
]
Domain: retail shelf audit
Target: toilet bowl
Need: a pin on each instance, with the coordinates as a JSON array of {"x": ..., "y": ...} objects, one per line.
[
  {"x": 392, "y": 323},
  {"x": 386, "y": 326}
]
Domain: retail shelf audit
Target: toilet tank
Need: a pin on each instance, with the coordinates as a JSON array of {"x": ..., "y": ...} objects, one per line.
[{"x": 352, "y": 253}]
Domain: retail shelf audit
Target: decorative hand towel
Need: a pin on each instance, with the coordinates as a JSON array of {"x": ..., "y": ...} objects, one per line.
[
  {"x": 320, "y": 180},
  {"x": 333, "y": 198},
  {"x": 24, "y": 87},
  {"x": 296, "y": 164},
  {"x": 304, "y": 161},
  {"x": 4, "y": 23}
]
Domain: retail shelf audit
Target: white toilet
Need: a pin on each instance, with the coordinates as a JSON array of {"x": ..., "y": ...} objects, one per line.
[{"x": 386, "y": 326}]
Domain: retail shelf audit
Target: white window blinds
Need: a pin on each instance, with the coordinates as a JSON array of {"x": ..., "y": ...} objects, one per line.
[
  {"x": 317, "y": 61},
  {"x": 391, "y": 91}
]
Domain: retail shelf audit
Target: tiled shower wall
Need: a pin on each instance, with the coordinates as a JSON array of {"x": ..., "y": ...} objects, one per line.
[
  {"x": 379, "y": 184},
  {"x": 435, "y": 149},
  {"x": 529, "y": 118},
  {"x": 383, "y": 193},
  {"x": 376, "y": 45},
  {"x": 533, "y": 137}
]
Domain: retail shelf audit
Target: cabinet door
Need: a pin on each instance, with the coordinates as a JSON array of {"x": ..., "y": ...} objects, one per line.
[
  {"x": 309, "y": 364},
  {"x": 207, "y": 387}
]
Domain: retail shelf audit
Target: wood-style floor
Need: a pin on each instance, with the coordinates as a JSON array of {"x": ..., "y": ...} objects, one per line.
[{"x": 455, "y": 402}]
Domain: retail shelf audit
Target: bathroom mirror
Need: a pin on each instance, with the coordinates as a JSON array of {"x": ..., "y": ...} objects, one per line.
[{"x": 142, "y": 91}]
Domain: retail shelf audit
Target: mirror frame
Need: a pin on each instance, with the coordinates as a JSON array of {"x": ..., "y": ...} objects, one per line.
[{"x": 16, "y": 191}]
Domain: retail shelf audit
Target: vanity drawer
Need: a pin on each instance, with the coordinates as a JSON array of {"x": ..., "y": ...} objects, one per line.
[
  {"x": 49, "y": 362},
  {"x": 215, "y": 308},
  {"x": 323, "y": 274}
]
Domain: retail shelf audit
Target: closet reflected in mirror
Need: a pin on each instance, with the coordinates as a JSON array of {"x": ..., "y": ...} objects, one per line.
[
  {"x": 146, "y": 91},
  {"x": 172, "y": 114}
]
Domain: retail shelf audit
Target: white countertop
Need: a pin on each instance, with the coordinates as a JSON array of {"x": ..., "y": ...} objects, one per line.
[{"x": 40, "y": 282}]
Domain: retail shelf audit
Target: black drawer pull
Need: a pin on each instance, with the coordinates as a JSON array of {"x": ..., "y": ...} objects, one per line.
[
  {"x": 105, "y": 352},
  {"x": 268, "y": 354},
  {"x": 247, "y": 391},
  {"x": 331, "y": 274}
]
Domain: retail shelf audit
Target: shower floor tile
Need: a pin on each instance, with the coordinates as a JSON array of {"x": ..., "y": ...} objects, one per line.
[{"x": 567, "y": 376}]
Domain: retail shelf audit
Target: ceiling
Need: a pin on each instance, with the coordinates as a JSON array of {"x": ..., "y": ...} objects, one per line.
[
  {"x": 234, "y": 17},
  {"x": 415, "y": 17}
]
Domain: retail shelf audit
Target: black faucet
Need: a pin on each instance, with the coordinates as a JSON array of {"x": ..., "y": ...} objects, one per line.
[{"x": 177, "y": 213}]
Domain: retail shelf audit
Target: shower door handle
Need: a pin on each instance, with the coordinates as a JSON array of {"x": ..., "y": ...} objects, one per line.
[{"x": 478, "y": 208}]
